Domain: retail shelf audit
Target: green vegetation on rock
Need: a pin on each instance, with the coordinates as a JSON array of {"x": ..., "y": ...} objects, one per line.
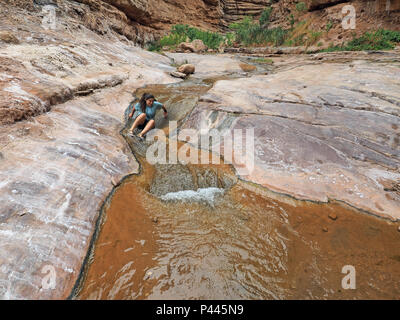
[
  {"x": 301, "y": 7},
  {"x": 250, "y": 32},
  {"x": 378, "y": 40},
  {"x": 181, "y": 33}
]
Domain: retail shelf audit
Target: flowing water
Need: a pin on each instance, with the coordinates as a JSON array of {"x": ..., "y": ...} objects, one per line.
[{"x": 197, "y": 232}]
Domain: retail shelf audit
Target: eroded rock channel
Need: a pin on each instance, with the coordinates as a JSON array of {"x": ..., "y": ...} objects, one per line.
[{"x": 191, "y": 231}]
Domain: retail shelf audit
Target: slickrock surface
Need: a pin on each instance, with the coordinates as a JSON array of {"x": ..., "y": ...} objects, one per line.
[
  {"x": 62, "y": 100},
  {"x": 322, "y": 130},
  {"x": 63, "y": 94},
  {"x": 208, "y": 66}
]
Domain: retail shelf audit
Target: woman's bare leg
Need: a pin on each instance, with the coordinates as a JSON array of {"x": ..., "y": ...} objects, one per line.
[
  {"x": 138, "y": 121},
  {"x": 150, "y": 125}
]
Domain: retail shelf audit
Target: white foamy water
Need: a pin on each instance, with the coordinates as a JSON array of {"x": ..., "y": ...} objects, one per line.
[{"x": 201, "y": 195}]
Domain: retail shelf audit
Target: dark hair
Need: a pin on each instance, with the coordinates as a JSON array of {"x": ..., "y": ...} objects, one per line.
[{"x": 142, "y": 102}]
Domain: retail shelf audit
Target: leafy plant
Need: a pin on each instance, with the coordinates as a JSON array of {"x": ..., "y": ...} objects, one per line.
[
  {"x": 229, "y": 39},
  {"x": 329, "y": 25},
  {"x": 264, "y": 60},
  {"x": 378, "y": 40},
  {"x": 265, "y": 16},
  {"x": 313, "y": 37},
  {"x": 181, "y": 33},
  {"x": 301, "y": 7},
  {"x": 249, "y": 32},
  {"x": 291, "y": 21}
]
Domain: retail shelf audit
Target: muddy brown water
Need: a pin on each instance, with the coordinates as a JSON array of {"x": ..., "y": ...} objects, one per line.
[{"x": 235, "y": 240}]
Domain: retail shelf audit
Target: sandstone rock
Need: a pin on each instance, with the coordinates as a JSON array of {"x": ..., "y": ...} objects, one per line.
[
  {"x": 213, "y": 2},
  {"x": 142, "y": 21},
  {"x": 305, "y": 140},
  {"x": 208, "y": 65},
  {"x": 178, "y": 74},
  {"x": 186, "y": 69},
  {"x": 194, "y": 46},
  {"x": 247, "y": 67},
  {"x": 332, "y": 216},
  {"x": 8, "y": 37},
  {"x": 199, "y": 46},
  {"x": 320, "y": 4},
  {"x": 236, "y": 10},
  {"x": 57, "y": 163},
  {"x": 45, "y": 2}
]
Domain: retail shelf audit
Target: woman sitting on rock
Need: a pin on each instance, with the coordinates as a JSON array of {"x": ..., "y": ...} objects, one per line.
[{"x": 146, "y": 110}]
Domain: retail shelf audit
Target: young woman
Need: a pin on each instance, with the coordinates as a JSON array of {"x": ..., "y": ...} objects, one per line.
[{"x": 146, "y": 108}]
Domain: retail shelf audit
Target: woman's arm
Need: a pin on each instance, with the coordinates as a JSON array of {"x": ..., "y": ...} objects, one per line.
[
  {"x": 165, "y": 111},
  {"x": 132, "y": 112}
]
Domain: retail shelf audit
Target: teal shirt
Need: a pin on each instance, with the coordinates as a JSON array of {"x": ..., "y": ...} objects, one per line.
[{"x": 150, "y": 111}]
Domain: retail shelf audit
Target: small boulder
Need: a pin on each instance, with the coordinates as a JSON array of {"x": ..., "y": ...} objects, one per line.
[
  {"x": 8, "y": 37},
  {"x": 186, "y": 69},
  {"x": 177, "y": 74},
  {"x": 247, "y": 67},
  {"x": 332, "y": 216},
  {"x": 194, "y": 46},
  {"x": 199, "y": 46}
]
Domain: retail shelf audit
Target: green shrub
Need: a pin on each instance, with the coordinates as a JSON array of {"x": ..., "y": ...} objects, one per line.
[
  {"x": 389, "y": 35},
  {"x": 378, "y": 40},
  {"x": 289, "y": 43},
  {"x": 229, "y": 38},
  {"x": 301, "y": 7},
  {"x": 154, "y": 46},
  {"x": 172, "y": 40},
  {"x": 329, "y": 26},
  {"x": 249, "y": 32},
  {"x": 314, "y": 37},
  {"x": 180, "y": 33},
  {"x": 291, "y": 21},
  {"x": 264, "y": 60},
  {"x": 210, "y": 39},
  {"x": 265, "y": 16}
]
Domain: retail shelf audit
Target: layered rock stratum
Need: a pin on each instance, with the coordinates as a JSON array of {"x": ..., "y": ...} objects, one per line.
[{"x": 145, "y": 20}]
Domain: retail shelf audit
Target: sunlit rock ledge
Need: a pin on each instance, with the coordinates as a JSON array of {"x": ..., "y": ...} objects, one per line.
[{"x": 323, "y": 132}]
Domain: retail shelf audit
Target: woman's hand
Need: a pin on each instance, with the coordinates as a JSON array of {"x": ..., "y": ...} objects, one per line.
[{"x": 130, "y": 115}]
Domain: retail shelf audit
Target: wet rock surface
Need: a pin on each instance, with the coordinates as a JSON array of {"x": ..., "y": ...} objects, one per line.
[
  {"x": 61, "y": 107},
  {"x": 63, "y": 94},
  {"x": 322, "y": 131},
  {"x": 208, "y": 66},
  {"x": 62, "y": 102}
]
